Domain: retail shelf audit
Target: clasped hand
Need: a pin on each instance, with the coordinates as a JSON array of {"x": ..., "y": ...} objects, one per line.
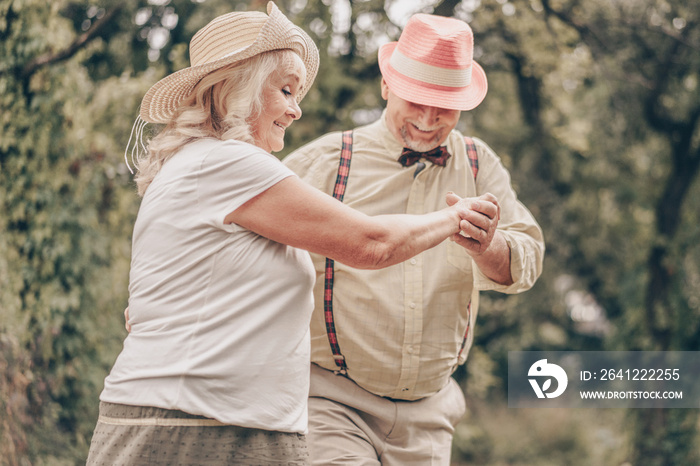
[{"x": 480, "y": 217}]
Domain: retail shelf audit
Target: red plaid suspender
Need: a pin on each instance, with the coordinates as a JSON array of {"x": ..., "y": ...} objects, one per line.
[
  {"x": 341, "y": 182},
  {"x": 472, "y": 155},
  {"x": 473, "y": 158}
]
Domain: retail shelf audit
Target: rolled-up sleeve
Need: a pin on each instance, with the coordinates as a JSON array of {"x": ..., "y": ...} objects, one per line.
[{"x": 517, "y": 224}]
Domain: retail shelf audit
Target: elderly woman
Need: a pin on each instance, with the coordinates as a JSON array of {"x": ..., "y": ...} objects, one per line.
[{"x": 215, "y": 369}]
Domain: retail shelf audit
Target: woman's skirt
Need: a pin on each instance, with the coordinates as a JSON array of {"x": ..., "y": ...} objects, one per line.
[{"x": 138, "y": 435}]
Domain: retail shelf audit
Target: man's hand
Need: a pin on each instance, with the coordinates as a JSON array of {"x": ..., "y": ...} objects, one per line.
[
  {"x": 479, "y": 236},
  {"x": 478, "y": 224}
]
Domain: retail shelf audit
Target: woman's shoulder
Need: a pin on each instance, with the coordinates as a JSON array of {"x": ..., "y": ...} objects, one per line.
[
  {"x": 212, "y": 150},
  {"x": 221, "y": 145}
]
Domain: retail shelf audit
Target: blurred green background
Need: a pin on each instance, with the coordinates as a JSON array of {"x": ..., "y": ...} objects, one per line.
[{"x": 593, "y": 105}]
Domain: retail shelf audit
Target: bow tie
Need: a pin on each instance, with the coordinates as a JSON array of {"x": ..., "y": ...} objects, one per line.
[{"x": 438, "y": 156}]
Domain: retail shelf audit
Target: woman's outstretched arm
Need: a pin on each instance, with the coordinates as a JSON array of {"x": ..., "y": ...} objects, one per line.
[{"x": 294, "y": 213}]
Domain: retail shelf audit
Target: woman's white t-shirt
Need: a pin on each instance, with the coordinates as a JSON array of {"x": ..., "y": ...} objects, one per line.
[{"x": 219, "y": 315}]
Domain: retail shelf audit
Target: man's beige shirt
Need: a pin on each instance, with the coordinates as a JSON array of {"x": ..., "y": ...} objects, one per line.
[{"x": 401, "y": 328}]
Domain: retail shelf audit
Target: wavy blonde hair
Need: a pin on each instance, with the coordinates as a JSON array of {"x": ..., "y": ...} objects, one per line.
[{"x": 222, "y": 106}]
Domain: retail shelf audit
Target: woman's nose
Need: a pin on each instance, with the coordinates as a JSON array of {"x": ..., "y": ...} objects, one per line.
[{"x": 294, "y": 109}]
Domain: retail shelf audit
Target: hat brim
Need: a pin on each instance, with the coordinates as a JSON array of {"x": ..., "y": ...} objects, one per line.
[
  {"x": 162, "y": 99},
  {"x": 277, "y": 33},
  {"x": 452, "y": 98}
]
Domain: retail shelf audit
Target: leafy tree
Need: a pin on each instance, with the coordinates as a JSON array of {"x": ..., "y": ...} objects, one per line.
[
  {"x": 63, "y": 232},
  {"x": 608, "y": 96}
]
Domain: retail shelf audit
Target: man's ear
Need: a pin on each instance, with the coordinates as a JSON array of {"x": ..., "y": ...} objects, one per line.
[{"x": 385, "y": 90}]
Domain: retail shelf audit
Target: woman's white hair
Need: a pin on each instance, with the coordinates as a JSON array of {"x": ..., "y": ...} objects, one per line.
[{"x": 221, "y": 106}]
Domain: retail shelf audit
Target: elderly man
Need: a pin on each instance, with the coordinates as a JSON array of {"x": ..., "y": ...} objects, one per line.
[{"x": 386, "y": 342}]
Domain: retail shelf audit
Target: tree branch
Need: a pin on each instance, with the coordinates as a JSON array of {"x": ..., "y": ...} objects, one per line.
[
  {"x": 585, "y": 31},
  {"x": 446, "y": 8},
  {"x": 81, "y": 41},
  {"x": 652, "y": 104},
  {"x": 10, "y": 16}
]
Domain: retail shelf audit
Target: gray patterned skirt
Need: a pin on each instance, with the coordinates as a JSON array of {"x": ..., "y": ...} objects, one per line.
[{"x": 138, "y": 435}]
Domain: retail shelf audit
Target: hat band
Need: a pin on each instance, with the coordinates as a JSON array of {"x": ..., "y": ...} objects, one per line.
[{"x": 428, "y": 73}]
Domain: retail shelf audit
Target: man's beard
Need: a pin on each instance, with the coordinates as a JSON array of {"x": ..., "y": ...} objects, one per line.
[{"x": 419, "y": 146}]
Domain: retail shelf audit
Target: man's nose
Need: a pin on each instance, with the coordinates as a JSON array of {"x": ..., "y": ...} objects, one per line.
[{"x": 429, "y": 114}]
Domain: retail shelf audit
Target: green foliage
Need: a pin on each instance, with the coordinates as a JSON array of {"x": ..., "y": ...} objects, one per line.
[
  {"x": 592, "y": 105},
  {"x": 497, "y": 436},
  {"x": 606, "y": 151},
  {"x": 57, "y": 194}
]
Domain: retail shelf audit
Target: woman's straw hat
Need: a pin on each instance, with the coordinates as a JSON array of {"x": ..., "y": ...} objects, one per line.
[
  {"x": 431, "y": 64},
  {"x": 228, "y": 39}
]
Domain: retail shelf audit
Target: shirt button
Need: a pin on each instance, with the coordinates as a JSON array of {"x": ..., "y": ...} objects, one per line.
[
  {"x": 414, "y": 262},
  {"x": 412, "y": 305},
  {"x": 409, "y": 350}
]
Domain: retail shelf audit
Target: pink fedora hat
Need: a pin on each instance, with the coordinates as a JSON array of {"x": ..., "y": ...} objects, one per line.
[{"x": 431, "y": 64}]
